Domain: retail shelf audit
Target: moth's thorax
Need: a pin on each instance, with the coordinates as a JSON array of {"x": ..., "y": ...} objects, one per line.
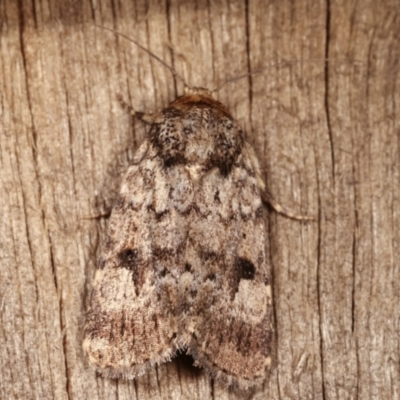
[{"x": 197, "y": 131}]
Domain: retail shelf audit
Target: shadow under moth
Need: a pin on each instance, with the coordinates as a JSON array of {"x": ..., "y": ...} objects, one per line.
[{"x": 183, "y": 266}]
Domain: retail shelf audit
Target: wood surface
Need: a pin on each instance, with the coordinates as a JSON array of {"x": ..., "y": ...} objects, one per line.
[{"x": 327, "y": 135}]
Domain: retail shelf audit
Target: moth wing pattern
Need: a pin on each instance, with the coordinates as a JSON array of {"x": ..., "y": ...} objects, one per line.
[
  {"x": 131, "y": 324},
  {"x": 225, "y": 318}
]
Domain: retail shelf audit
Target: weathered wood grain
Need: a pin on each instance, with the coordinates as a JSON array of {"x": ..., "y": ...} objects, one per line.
[{"x": 326, "y": 133}]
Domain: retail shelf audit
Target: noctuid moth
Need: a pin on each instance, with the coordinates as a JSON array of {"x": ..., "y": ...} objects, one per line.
[{"x": 183, "y": 266}]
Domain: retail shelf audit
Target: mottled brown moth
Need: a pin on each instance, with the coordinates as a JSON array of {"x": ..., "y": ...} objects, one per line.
[{"x": 183, "y": 266}]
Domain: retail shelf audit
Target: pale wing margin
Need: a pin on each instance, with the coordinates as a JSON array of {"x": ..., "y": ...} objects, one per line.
[
  {"x": 225, "y": 310},
  {"x": 132, "y": 322}
]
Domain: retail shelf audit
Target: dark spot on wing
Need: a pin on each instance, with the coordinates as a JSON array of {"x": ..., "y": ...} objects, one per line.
[
  {"x": 242, "y": 269},
  {"x": 188, "y": 267},
  {"x": 211, "y": 277},
  {"x": 130, "y": 259},
  {"x": 245, "y": 268}
]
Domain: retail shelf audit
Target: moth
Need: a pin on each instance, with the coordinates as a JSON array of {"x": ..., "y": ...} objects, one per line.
[{"x": 183, "y": 266}]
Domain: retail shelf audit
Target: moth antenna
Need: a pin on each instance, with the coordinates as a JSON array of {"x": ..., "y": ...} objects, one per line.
[
  {"x": 148, "y": 52},
  {"x": 288, "y": 62}
]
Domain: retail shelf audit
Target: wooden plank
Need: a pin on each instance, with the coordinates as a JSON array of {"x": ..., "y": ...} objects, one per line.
[{"x": 327, "y": 135}]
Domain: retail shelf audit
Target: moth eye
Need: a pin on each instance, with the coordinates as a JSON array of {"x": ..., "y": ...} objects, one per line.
[{"x": 245, "y": 269}]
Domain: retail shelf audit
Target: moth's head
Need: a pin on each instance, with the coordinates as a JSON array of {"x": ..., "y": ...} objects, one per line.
[
  {"x": 195, "y": 96},
  {"x": 198, "y": 90}
]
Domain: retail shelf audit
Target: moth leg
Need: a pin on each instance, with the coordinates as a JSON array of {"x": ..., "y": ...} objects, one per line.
[
  {"x": 147, "y": 118},
  {"x": 267, "y": 198}
]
